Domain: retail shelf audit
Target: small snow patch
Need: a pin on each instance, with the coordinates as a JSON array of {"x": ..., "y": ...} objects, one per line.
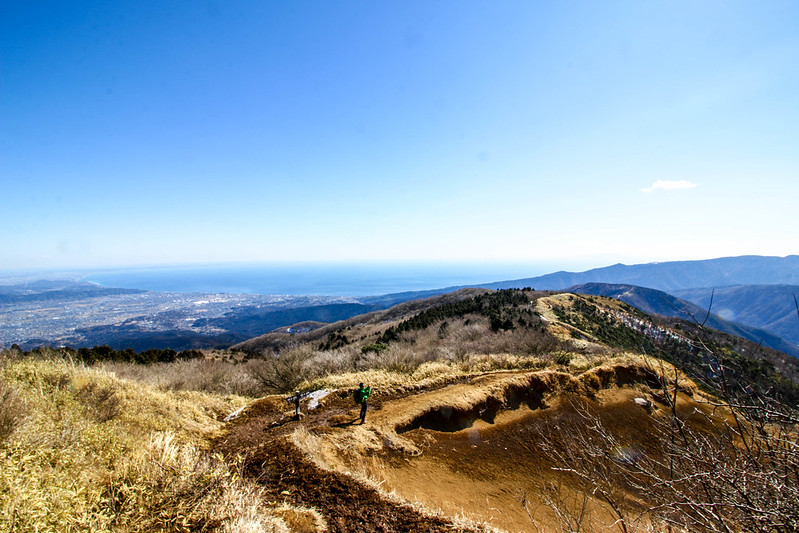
[
  {"x": 315, "y": 397},
  {"x": 235, "y": 414},
  {"x": 643, "y": 402}
]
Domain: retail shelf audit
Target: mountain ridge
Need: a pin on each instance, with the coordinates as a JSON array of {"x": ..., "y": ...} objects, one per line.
[
  {"x": 674, "y": 275},
  {"x": 769, "y": 307},
  {"x": 659, "y": 302}
]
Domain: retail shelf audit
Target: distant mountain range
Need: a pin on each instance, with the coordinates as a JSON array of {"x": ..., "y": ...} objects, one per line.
[
  {"x": 56, "y": 291},
  {"x": 770, "y": 307},
  {"x": 753, "y": 297},
  {"x": 674, "y": 275},
  {"x": 752, "y": 293}
]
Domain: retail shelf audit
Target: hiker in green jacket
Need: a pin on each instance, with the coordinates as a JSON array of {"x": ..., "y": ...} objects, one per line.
[{"x": 361, "y": 395}]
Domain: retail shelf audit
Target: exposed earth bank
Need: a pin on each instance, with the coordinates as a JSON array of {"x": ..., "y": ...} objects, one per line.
[{"x": 479, "y": 453}]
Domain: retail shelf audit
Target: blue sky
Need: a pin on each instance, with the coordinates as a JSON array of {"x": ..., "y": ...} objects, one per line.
[{"x": 586, "y": 133}]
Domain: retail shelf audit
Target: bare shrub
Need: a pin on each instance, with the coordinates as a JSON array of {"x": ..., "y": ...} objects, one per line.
[
  {"x": 470, "y": 333},
  {"x": 696, "y": 471},
  {"x": 211, "y": 375},
  {"x": 573, "y": 510},
  {"x": 477, "y": 337},
  {"x": 282, "y": 372},
  {"x": 402, "y": 360},
  {"x": 240, "y": 382},
  {"x": 205, "y": 375},
  {"x": 493, "y": 362},
  {"x": 335, "y": 361},
  {"x": 524, "y": 341}
]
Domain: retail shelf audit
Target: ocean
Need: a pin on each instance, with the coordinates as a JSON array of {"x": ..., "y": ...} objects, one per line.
[{"x": 329, "y": 279}]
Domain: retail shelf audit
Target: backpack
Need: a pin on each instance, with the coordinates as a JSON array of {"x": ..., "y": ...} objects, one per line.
[{"x": 360, "y": 395}]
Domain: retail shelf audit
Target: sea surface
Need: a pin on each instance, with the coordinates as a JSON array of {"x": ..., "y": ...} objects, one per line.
[{"x": 330, "y": 279}]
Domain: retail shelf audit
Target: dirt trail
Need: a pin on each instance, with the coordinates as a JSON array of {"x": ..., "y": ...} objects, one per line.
[{"x": 466, "y": 450}]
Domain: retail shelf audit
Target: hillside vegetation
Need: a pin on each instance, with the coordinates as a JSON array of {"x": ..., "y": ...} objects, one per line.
[
  {"x": 657, "y": 302},
  {"x": 512, "y": 410}
]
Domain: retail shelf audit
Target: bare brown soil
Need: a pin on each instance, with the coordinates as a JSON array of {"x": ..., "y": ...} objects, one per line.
[
  {"x": 466, "y": 450},
  {"x": 287, "y": 474}
]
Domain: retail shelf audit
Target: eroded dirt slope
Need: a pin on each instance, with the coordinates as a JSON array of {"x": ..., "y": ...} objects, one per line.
[{"x": 427, "y": 460}]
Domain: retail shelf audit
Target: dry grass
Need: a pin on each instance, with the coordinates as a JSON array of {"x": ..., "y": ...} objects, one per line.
[
  {"x": 428, "y": 374},
  {"x": 212, "y": 375},
  {"x": 99, "y": 453},
  {"x": 13, "y": 410}
]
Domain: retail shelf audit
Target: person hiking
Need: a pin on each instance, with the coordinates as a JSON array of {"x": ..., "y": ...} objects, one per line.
[
  {"x": 361, "y": 395},
  {"x": 297, "y": 405},
  {"x": 295, "y": 399}
]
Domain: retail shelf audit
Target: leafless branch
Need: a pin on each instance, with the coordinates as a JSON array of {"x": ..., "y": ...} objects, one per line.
[{"x": 709, "y": 307}]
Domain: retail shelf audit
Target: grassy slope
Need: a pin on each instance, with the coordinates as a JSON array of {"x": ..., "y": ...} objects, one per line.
[{"x": 87, "y": 451}]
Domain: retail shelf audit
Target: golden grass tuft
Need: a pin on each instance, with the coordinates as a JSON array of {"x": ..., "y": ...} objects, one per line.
[{"x": 98, "y": 453}]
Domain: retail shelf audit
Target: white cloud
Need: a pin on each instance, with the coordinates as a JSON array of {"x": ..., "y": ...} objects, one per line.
[{"x": 669, "y": 185}]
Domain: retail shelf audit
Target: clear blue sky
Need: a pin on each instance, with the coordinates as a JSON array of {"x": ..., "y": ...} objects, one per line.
[{"x": 180, "y": 132}]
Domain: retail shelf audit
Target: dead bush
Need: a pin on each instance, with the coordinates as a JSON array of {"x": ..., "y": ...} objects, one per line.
[
  {"x": 209, "y": 375},
  {"x": 396, "y": 358},
  {"x": 337, "y": 361},
  {"x": 402, "y": 360},
  {"x": 701, "y": 473},
  {"x": 282, "y": 372}
]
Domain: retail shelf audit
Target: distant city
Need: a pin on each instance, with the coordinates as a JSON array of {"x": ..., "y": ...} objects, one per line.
[{"x": 77, "y": 320}]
